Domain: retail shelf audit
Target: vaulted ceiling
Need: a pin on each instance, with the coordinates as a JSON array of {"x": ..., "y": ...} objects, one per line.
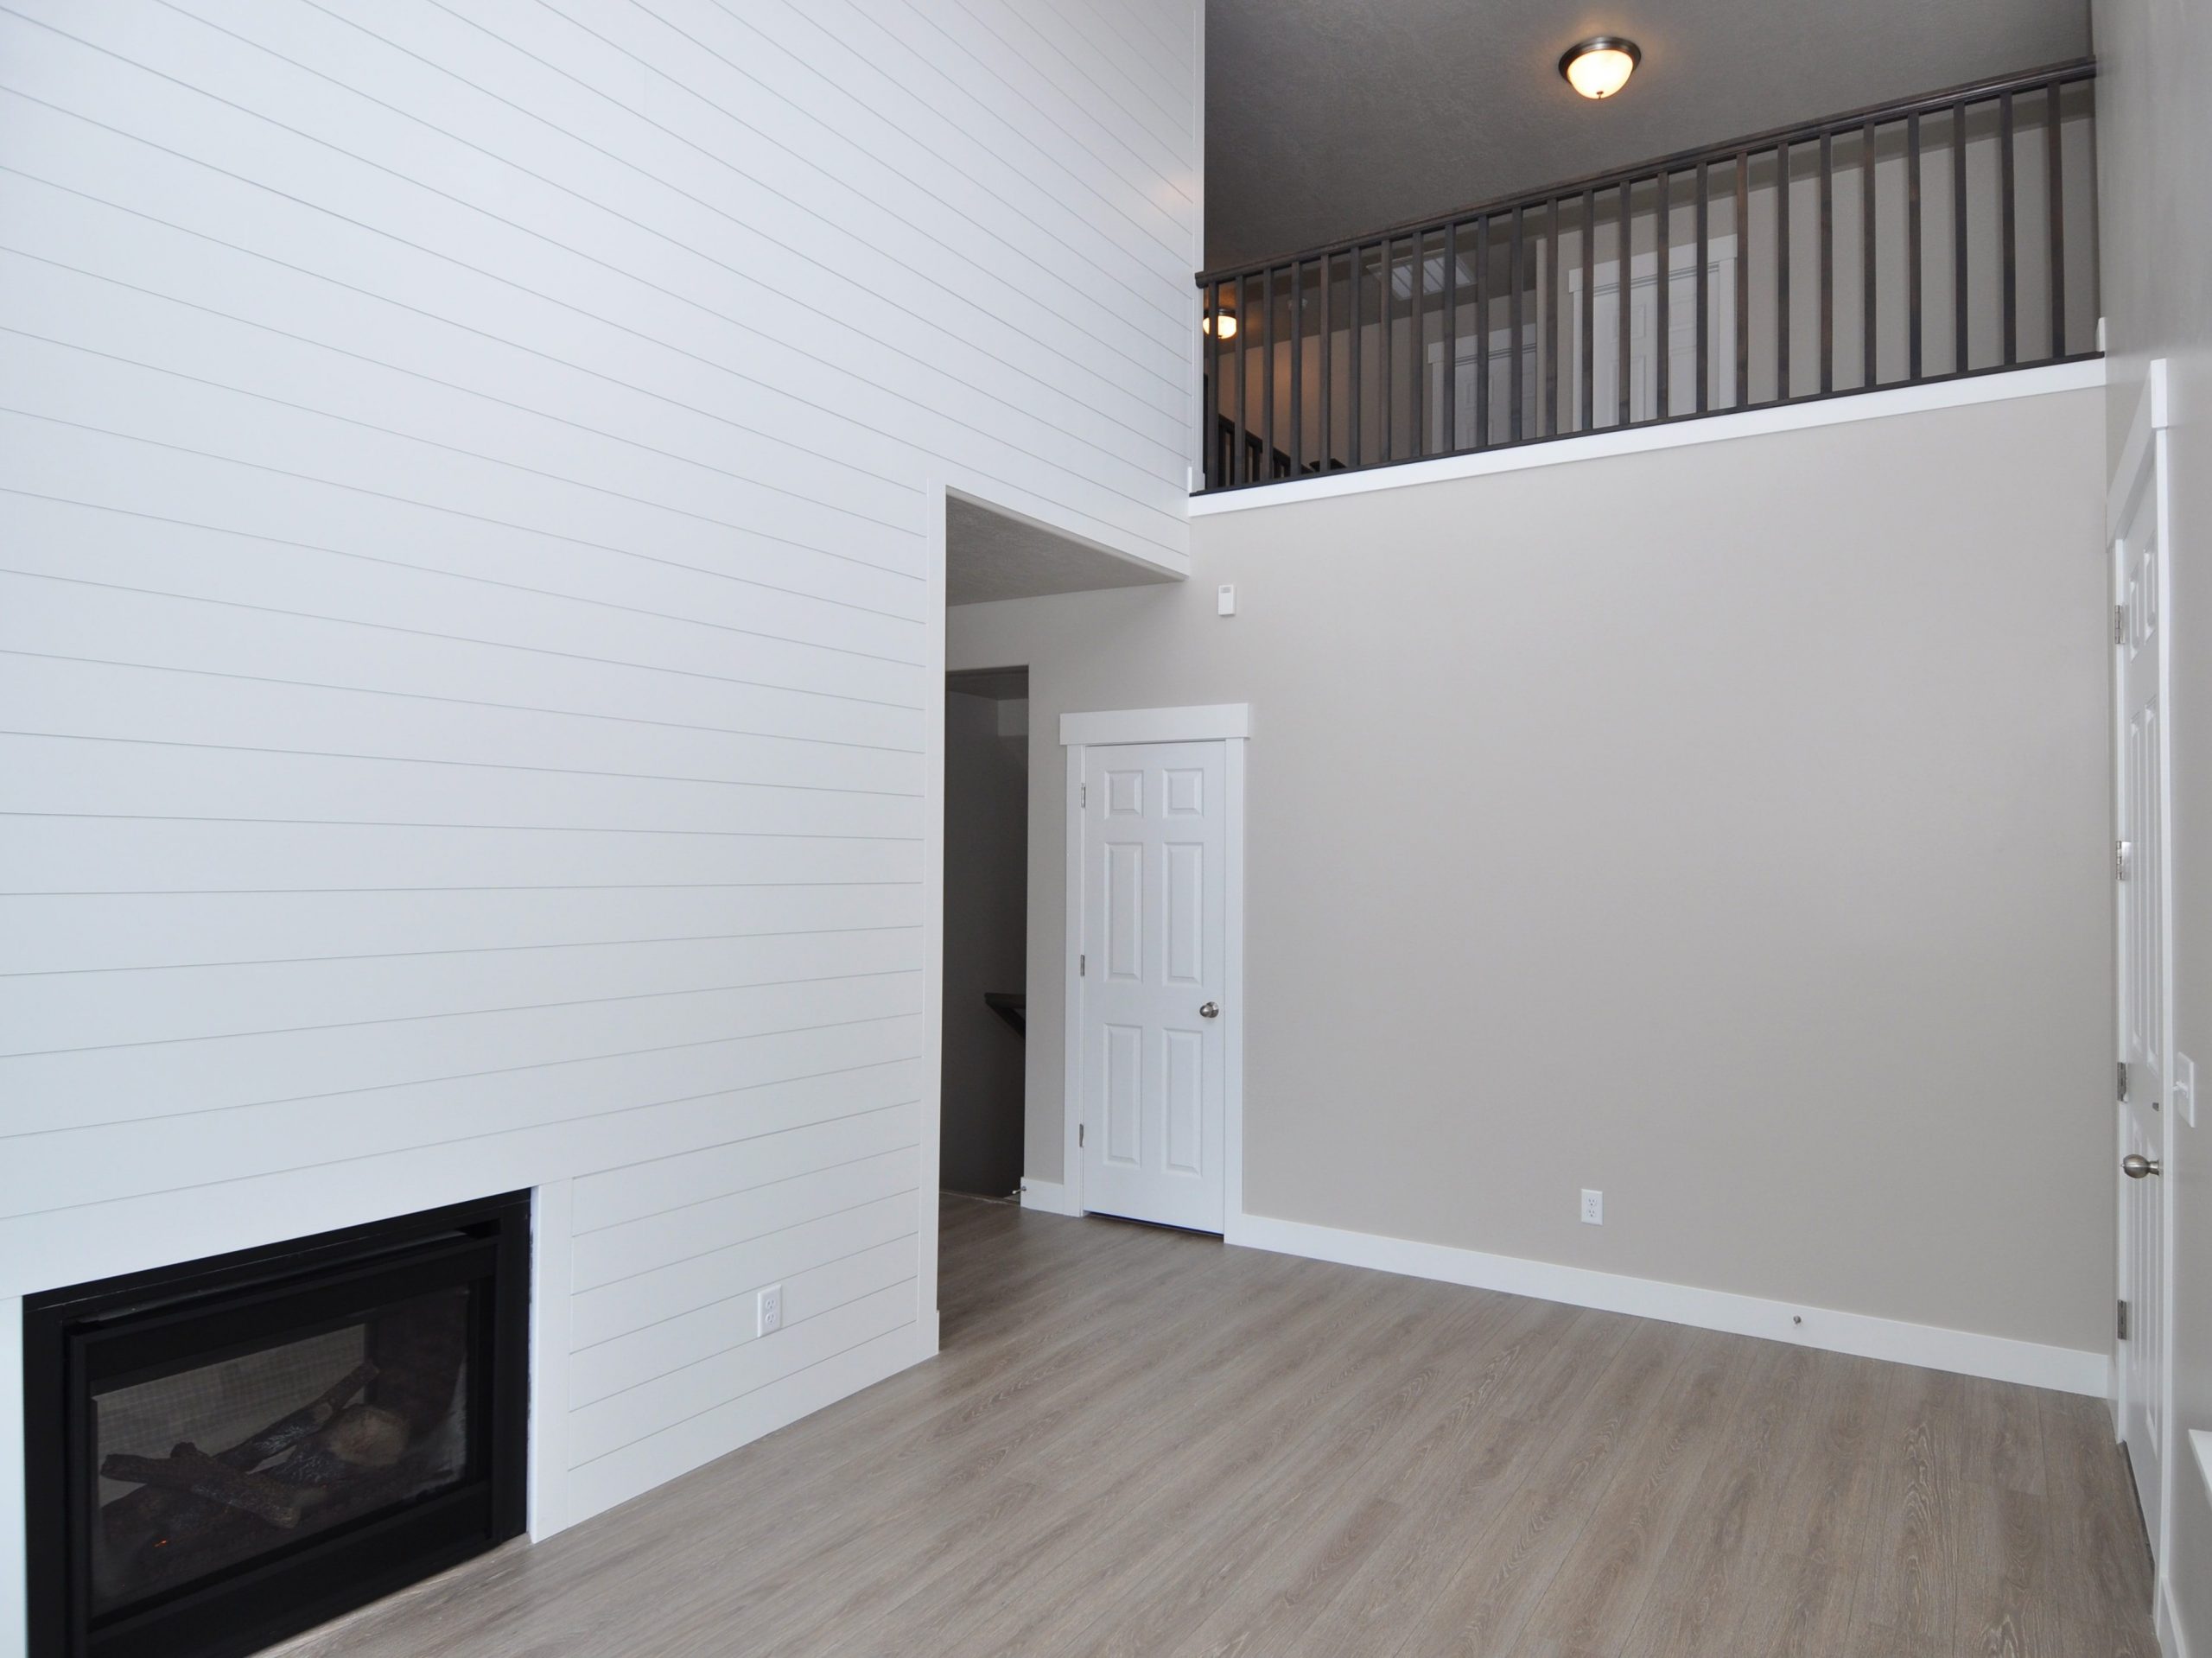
[{"x": 1325, "y": 118}]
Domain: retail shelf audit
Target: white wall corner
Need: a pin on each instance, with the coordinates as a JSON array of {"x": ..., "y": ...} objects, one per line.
[
  {"x": 551, "y": 1289},
  {"x": 1050, "y": 1196},
  {"x": 1998, "y": 1358}
]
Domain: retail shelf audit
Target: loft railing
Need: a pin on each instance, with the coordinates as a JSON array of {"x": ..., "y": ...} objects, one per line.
[{"x": 1915, "y": 241}]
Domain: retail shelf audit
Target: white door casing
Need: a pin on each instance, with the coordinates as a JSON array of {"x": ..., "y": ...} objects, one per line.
[
  {"x": 1155, "y": 965},
  {"x": 2143, "y": 816}
]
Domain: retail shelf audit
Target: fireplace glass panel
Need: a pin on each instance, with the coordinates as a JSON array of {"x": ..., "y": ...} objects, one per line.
[{"x": 210, "y": 1466}]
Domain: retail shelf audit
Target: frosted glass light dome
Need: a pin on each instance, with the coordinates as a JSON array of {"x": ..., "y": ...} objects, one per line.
[{"x": 1600, "y": 67}]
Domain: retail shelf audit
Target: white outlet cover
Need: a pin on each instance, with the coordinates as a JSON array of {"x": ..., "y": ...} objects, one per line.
[
  {"x": 1224, "y": 600},
  {"x": 1593, "y": 1208},
  {"x": 769, "y": 1305}
]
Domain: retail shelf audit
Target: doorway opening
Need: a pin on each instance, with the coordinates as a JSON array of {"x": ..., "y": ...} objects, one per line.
[{"x": 986, "y": 930}]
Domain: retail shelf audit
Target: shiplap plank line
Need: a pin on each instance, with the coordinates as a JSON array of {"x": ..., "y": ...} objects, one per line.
[
  {"x": 127, "y": 778},
  {"x": 648, "y": 1214},
  {"x": 872, "y": 391},
  {"x": 876, "y": 1240},
  {"x": 851, "y": 149},
  {"x": 182, "y": 932},
  {"x": 608, "y": 1310},
  {"x": 920, "y": 105},
  {"x": 531, "y": 210},
  {"x": 129, "y": 704},
  {"x": 903, "y": 42},
  {"x": 51, "y": 616},
  {"x": 637, "y": 1413},
  {"x": 47, "y": 1014}
]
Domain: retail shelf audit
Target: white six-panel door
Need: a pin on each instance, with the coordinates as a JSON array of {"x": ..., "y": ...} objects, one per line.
[
  {"x": 1153, "y": 964},
  {"x": 2145, "y": 955}
]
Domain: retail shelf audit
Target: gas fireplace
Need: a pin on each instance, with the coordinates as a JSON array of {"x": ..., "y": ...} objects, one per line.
[{"x": 221, "y": 1454}]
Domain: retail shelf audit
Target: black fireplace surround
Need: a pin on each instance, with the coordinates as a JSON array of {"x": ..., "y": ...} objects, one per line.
[{"x": 221, "y": 1454}]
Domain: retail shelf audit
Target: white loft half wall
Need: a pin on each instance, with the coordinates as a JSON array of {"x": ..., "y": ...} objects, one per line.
[{"x": 471, "y": 608}]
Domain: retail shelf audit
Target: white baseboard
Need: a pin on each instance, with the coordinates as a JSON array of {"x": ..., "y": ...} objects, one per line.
[
  {"x": 1048, "y": 1195},
  {"x": 1996, "y": 1357}
]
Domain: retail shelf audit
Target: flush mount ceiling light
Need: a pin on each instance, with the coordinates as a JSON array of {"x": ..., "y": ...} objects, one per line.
[{"x": 1600, "y": 66}]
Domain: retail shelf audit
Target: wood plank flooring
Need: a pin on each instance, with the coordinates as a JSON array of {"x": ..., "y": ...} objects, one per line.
[{"x": 1143, "y": 1443}]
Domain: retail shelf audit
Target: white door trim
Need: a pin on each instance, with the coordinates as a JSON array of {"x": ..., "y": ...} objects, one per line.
[
  {"x": 1231, "y": 725},
  {"x": 1207, "y": 724},
  {"x": 2143, "y": 474}
]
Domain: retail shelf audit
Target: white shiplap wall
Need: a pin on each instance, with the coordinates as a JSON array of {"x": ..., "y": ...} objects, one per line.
[{"x": 470, "y": 505}]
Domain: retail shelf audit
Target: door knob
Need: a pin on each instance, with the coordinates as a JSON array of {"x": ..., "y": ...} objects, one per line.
[
  {"x": 1211, "y": 1010},
  {"x": 2135, "y": 1166}
]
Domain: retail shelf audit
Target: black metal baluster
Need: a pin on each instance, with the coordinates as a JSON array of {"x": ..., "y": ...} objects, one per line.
[
  {"x": 2008, "y": 232},
  {"x": 1387, "y": 438},
  {"x": 1549, "y": 339},
  {"x": 1912, "y": 245},
  {"x": 1268, "y": 373},
  {"x": 1451, "y": 338},
  {"x": 1869, "y": 340},
  {"x": 1958, "y": 321},
  {"x": 1704, "y": 295},
  {"x": 1328, "y": 362},
  {"x": 1221, "y": 467},
  {"x": 1297, "y": 368},
  {"x": 1513, "y": 345},
  {"x": 1355, "y": 389},
  {"x": 1588, "y": 414},
  {"x": 2053, "y": 164},
  {"x": 1662, "y": 346},
  {"x": 1828, "y": 261},
  {"x": 1239, "y": 466},
  {"x": 1623, "y": 265},
  {"x": 1417, "y": 343},
  {"x": 1481, "y": 331},
  {"x": 1782, "y": 271},
  {"x": 1743, "y": 278}
]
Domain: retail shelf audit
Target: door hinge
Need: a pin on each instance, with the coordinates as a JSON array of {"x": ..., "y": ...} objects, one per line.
[
  {"x": 2123, "y": 1079},
  {"x": 1083, "y": 967},
  {"x": 2122, "y": 856},
  {"x": 2119, "y": 624},
  {"x": 1082, "y": 795},
  {"x": 1080, "y": 1128},
  {"x": 2123, "y": 1321}
]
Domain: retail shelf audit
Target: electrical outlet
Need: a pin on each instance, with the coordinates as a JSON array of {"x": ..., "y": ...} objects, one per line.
[
  {"x": 1593, "y": 1208},
  {"x": 769, "y": 1305}
]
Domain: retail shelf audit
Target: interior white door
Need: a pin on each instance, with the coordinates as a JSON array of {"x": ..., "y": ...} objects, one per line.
[
  {"x": 2145, "y": 956},
  {"x": 1155, "y": 939}
]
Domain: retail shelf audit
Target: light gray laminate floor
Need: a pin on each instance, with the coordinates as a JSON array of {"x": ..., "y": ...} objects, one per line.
[{"x": 1138, "y": 1442}]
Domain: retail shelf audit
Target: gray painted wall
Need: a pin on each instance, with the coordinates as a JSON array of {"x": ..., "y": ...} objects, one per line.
[
  {"x": 2155, "y": 130},
  {"x": 1723, "y": 828},
  {"x": 986, "y": 889}
]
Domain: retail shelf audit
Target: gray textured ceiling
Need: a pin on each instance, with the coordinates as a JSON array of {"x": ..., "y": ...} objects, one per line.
[
  {"x": 1325, "y": 118},
  {"x": 990, "y": 555}
]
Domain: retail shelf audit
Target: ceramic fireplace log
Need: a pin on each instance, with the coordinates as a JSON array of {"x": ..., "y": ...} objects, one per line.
[
  {"x": 138, "y": 1515},
  {"x": 303, "y": 1424},
  {"x": 190, "y": 1470}
]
